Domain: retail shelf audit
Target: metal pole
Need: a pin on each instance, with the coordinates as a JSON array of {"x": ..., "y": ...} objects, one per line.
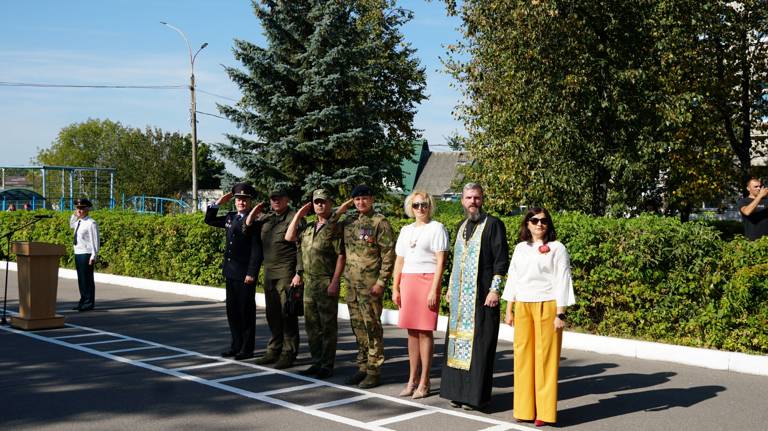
[
  {"x": 111, "y": 190},
  {"x": 193, "y": 109},
  {"x": 45, "y": 195}
]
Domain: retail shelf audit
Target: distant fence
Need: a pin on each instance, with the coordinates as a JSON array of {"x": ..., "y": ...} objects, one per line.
[{"x": 142, "y": 204}]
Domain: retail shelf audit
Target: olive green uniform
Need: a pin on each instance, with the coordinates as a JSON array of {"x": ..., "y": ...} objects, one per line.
[
  {"x": 280, "y": 265},
  {"x": 370, "y": 249},
  {"x": 321, "y": 246}
]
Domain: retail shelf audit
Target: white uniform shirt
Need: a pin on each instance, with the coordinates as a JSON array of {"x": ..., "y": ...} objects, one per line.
[
  {"x": 87, "y": 235},
  {"x": 418, "y": 245},
  {"x": 537, "y": 277}
]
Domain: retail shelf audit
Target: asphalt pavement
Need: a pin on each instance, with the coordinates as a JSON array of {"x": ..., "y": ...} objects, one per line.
[{"x": 149, "y": 360}]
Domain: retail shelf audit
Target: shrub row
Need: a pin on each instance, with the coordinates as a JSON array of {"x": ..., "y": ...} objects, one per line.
[{"x": 651, "y": 278}]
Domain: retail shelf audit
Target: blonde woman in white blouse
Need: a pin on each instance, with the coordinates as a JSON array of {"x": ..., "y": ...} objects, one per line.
[
  {"x": 421, "y": 248},
  {"x": 539, "y": 287}
]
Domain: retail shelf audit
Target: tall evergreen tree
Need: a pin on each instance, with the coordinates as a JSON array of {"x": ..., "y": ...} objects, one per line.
[{"x": 330, "y": 100}]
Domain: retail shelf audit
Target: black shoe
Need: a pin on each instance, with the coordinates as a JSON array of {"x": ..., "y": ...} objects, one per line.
[
  {"x": 455, "y": 404},
  {"x": 228, "y": 353},
  {"x": 324, "y": 373},
  {"x": 311, "y": 371},
  {"x": 85, "y": 308},
  {"x": 243, "y": 355},
  {"x": 266, "y": 360},
  {"x": 76, "y": 308},
  {"x": 356, "y": 378}
]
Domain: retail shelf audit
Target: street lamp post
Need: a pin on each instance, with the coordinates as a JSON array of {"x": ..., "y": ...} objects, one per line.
[{"x": 192, "y": 110}]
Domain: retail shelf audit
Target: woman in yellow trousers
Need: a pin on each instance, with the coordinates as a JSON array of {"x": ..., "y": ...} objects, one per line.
[{"x": 539, "y": 287}]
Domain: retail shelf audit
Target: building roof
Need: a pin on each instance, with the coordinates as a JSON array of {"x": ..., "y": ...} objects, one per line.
[
  {"x": 441, "y": 172},
  {"x": 412, "y": 167}
]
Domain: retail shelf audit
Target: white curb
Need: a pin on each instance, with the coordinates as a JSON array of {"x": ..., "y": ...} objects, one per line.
[{"x": 698, "y": 357}]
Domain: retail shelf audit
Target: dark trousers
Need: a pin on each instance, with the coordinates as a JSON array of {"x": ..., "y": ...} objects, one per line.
[
  {"x": 85, "y": 281},
  {"x": 241, "y": 315},
  {"x": 284, "y": 328}
]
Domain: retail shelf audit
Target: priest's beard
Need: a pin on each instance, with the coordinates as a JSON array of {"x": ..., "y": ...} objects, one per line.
[{"x": 474, "y": 217}]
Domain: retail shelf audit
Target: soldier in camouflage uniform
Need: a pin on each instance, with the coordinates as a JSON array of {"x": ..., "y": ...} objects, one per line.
[
  {"x": 282, "y": 269},
  {"x": 370, "y": 248},
  {"x": 322, "y": 254}
]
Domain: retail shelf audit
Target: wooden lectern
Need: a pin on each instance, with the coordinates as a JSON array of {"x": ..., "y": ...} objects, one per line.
[{"x": 38, "y": 270}]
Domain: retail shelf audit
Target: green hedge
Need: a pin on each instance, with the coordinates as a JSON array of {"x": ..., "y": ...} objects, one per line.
[{"x": 651, "y": 278}]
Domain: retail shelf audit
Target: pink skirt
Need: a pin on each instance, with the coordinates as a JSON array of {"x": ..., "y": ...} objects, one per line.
[{"x": 414, "y": 312}]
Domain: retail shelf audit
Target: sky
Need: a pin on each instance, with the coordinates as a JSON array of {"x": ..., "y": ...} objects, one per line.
[{"x": 119, "y": 42}]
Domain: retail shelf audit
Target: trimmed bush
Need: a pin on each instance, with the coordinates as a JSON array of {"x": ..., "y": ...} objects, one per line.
[{"x": 651, "y": 278}]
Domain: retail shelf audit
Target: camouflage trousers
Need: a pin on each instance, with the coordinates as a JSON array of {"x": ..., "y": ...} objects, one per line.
[
  {"x": 321, "y": 320},
  {"x": 365, "y": 318},
  {"x": 284, "y": 328}
]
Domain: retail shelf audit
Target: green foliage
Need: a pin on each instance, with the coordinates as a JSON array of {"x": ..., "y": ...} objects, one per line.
[
  {"x": 150, "y": 162},
  {"x": 610, "y": 107},
  {"x": 652, "y": 278},
  {"x": 330, "y": 101}
]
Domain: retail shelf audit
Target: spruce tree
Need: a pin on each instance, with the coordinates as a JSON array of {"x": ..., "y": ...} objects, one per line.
[{"x": 330, "y": 101}]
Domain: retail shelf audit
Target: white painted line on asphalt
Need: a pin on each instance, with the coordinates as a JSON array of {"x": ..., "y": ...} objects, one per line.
[
  {"x": 93, "y": 343},
  {"x": 498, "y": 428},
  {"x": 132, "y": 349},
  {"x": 160, "y": 358},
  {"x": 291, "y": 389},
  {"x": 65, "y": 337},
  {"x": 197, "y": 367},
  {"x": 182, "y": 376},
  {"x": 403, "y": 417},
  {"x": 340, "y": 402},
  {"x": 242, "y": 376},
  {"x": 260, "y": 396}
]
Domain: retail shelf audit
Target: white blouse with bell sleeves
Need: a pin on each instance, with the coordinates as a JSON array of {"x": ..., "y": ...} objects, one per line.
[{"x": 535, "y": 276}]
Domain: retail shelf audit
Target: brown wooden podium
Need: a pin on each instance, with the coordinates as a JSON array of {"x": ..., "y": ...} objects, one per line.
[{"x": 38, "y": 270}]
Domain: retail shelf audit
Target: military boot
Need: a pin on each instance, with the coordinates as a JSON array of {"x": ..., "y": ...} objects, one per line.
[
  {"x": 268, "y": 358},
  {"x": 285, "y": 361},
  {"x": 370, "y": 381},
  {"x": 356, "y": 378}
]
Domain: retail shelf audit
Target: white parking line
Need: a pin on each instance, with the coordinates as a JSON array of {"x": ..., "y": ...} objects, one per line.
[
  {"x": 197, "y": 367},
  {"x": 401, "y": 418},
  {"x": 340, "y": 402},
  {"x": 242, "y": 376},
  {"x": 93, "y": 343},
  {"x": 132, "y": 349},
  {"x": 160, "y": 358},
  {"x": 291, "y": 389},
  {"x": 64, "y": 337}
]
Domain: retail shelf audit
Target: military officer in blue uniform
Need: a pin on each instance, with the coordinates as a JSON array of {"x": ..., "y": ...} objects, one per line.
[{"x": 242, "y": 260}]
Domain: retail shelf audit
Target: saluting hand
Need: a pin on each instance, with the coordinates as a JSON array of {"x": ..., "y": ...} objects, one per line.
[
  {"x": 224, "y": 199},
  {"x": 305, "y": 209},
  {"x": 255, "y": 212},
  {"x": 343, "y": 207}
]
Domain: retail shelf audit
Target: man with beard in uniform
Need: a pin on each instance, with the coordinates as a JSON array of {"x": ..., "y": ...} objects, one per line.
[{"x": 242, "y": 259}]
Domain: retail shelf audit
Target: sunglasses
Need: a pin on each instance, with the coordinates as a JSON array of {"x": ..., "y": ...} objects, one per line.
[
  {"x": 417, "y": 205},
  {"x": 534, "y": 220},
  {"x": 319, "y": 202}
]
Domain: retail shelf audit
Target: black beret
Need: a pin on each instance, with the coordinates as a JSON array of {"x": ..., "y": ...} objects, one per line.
[
  {"x": 243, "y": 190},
  {"x": 362, "y": 190}
]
